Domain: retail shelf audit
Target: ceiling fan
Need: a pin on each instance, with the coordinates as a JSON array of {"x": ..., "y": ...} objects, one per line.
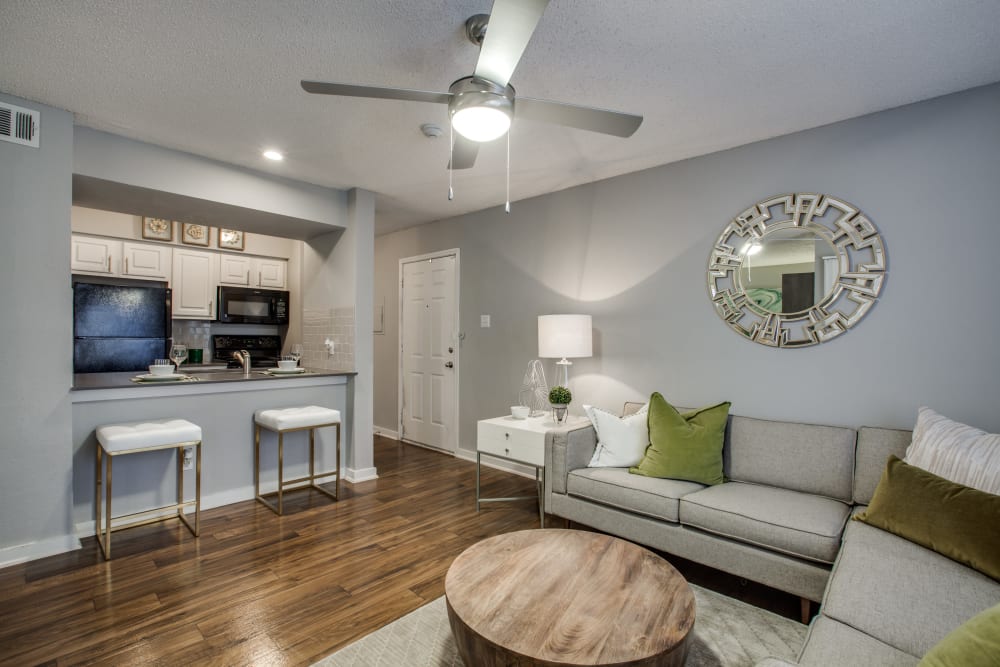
[{"x": 481, "y": 106}]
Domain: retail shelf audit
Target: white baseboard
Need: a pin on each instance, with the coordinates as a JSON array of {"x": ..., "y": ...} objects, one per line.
[
  {"x": 496, "y": 464},
  {"x": 360, "y": 475},
  {"x": 386, "y": 432},
  {"x": 49, "y": 547}
]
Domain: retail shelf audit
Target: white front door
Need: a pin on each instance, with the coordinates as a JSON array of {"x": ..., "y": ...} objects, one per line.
[{"x": 429, "y": 351}]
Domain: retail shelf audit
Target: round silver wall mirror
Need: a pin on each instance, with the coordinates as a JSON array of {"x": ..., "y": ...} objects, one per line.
[{"x": 796, "y": 270}]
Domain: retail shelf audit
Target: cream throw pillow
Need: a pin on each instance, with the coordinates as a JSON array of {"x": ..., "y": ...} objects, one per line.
[
  {"x": 621, "y": 441},
  {"x": 959, "y": 453}
]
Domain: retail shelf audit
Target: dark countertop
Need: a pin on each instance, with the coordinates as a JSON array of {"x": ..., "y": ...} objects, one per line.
[{"x": 83, "y": 381}]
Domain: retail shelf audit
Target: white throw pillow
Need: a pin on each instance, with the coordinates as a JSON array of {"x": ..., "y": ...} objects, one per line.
[
  {"x": 621, "y": 441},
  {"x": 960, "y": 453}
]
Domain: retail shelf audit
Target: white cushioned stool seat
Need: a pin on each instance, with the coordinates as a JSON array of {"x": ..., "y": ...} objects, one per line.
[
  {"x": 283, "y": 419},
  {"x": 147, "y": 434}
]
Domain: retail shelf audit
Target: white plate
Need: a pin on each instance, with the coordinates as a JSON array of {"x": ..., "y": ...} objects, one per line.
[
  {"x": 286, "y": 371},
  {"x": 170, "y": 377}
]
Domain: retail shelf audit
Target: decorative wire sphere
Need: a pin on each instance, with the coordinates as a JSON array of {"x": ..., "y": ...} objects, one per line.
[{"x": 534, "y": 390}]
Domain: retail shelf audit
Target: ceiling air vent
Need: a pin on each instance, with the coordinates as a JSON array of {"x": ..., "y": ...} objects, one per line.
[{"x": 19, "y": 125}]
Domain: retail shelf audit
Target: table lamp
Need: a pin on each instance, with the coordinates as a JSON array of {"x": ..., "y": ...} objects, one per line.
[{"x": 565, "y": 336}]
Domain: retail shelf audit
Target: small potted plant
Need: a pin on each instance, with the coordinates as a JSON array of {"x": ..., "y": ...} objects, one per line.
[{"x": 560, "y": 398}]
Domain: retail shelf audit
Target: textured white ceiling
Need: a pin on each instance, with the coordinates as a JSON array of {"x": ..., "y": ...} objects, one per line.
[{"x": 220, "y": 78}]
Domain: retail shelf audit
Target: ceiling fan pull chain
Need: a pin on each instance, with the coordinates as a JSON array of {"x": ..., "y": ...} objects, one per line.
[
  {"x": 507, "y": 206},
  {"x": 451, "y": 158}
]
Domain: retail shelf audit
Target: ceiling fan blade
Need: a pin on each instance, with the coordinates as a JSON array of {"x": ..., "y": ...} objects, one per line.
[
  {"x": 464, "y": 153},
  {"x": 351, "y": 90},
  {"x": 618, "y": 123},
  {"x": 511, "y": 25}
]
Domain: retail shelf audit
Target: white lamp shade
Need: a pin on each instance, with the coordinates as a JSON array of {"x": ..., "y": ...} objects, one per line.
[{"x": 564, "y": 336}]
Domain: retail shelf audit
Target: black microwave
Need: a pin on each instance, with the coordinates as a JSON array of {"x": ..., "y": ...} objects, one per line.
[{"x": 246, "y": 305}]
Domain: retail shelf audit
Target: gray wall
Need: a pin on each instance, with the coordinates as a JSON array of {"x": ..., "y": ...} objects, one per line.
[
  {"x": 633, "y": 250},
  {"x": 35, "y": 340}
]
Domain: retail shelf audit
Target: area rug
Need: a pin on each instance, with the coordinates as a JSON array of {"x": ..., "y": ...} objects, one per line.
[{"x": 727, "y": 632}]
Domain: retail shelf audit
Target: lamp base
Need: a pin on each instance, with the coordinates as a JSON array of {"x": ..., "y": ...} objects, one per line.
[{"x": 565, "y": 363}]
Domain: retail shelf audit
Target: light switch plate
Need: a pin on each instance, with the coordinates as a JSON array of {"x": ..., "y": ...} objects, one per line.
[{"x": 484, "y": 321}]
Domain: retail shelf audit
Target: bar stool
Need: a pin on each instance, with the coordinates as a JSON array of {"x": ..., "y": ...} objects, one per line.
[
  {"x": 288, "y": 420},
  {"x": 146, "y": 436}
]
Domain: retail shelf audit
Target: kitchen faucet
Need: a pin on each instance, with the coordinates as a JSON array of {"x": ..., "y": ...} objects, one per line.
[{"x": 244, "y": 358}]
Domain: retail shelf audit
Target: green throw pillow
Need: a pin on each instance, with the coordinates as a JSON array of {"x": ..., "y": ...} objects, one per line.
[
  {"x": 956, "y": 521},
  {"x": 684, "y": 446},
  {"x": 975, "y": 643}
]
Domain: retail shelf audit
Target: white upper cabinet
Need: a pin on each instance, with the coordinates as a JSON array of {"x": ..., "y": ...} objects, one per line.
[
  {"x": 265, "y": 272},
  {"x": 195, "y": 275},
  {"x": 234, "y": 270},
  {"x": 146, "y": 260},
  {"x": 272, "y": 273},
  {"x": 91, "y": 254}
]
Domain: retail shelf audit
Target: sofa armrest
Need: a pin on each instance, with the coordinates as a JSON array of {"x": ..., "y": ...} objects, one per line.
[{"x": 566, "y": 450}]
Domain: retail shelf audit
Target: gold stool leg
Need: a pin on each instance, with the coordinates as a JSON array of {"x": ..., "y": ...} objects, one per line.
[
  {"x": 180, "y": 482},
  {"x": 281, "y": 468},
  {"x": 107, "y": 518},
  {"x": 256, "y": 460},
  {"x": 338, "y": 461},
  {"x": 197, "y": 494},
  {"x": 312, "y": 458},
  {"x": 98, "y": 497}
]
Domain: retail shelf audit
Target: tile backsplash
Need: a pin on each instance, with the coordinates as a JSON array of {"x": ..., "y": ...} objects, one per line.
[
  {"x": 337, "y": 324},
  {"x": 194, "y": 334}
]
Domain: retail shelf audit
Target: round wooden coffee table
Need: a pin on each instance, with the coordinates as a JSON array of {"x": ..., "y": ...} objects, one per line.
[{"x": 567, "y": 597}]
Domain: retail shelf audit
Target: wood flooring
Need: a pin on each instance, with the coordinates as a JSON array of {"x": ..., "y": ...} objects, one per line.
[{"x": 259, "y": 589}]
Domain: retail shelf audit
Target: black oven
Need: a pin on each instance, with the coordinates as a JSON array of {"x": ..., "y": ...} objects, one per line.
[{"x": 246, "y": 305}]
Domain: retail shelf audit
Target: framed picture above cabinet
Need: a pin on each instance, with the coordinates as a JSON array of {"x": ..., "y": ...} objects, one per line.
[
  {"x": 157, "y": 229},
  {"x": 230, "y": 239},
  {"x": 194, "y": 234}
]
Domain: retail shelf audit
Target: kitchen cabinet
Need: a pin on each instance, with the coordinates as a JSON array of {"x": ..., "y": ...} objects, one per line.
[
  {"x": 265, "y": 272},
  {"x": 95, "y": 255},
  {"x": 195, "y": 275},
  {"x": 271, "y": 273},
  {"x": 146, "y": 260},
  {"x": 234, "y": 270}
]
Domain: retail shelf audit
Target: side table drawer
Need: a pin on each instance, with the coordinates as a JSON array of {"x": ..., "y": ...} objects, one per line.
[{"x": 525, "y": 446}]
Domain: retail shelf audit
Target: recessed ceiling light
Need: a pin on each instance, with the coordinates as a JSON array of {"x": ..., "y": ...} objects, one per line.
[{"x": 274, "y": 155}]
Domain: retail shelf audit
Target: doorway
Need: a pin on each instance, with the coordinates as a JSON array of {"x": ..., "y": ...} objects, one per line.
[{"x": 428, "y": 350}]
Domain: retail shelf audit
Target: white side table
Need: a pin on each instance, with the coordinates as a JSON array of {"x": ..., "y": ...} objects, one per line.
[{"x": 519, "y": 441}]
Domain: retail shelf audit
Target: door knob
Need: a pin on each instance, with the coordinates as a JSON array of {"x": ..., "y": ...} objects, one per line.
[{"x": 448, "y": 364}]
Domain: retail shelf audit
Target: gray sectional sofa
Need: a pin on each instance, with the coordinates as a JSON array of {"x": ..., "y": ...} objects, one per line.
[
  {"x": 777, "y": 520},
  {"x": 781, "y": 519}
]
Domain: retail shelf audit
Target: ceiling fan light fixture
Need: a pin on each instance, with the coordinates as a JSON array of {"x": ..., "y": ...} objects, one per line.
[
  {"x": 480, "y": 110},
  {"x": 480, "y": 123}
]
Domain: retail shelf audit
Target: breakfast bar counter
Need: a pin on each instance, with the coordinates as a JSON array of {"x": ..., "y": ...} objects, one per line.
[
  {"x": 86, "y": 381},
  {"x": 222, "y": 402}
]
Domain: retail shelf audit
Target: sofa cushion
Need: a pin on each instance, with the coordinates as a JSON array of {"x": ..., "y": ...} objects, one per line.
[
  {"x": 621, "y": 441},
  {"x": 684, "y": 446},
  {"x": 795, "y": 523},
  {"x": 833, "y": 644},
  {"x": 875, "y": 446},
  {"x": 975, "y": 643},
  {"x": 957, "y": 521},
  {"x": 905, "y": 595},
  {"x": 963, "y": 454},
  {"x": 644, "y": 495},
  {"x": 801, "y": 457}
]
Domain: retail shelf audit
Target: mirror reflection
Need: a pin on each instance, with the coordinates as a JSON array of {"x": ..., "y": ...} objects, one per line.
[{"x": 788, "y": 270}]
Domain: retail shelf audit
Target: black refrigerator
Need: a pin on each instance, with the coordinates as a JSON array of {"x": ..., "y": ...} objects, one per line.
[{"x": 119, "y": 327}]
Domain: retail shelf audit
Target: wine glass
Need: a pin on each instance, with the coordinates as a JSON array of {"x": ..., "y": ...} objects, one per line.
[
  {"x": 296, "y": 352},
  {"x": 178, "y": 352}
]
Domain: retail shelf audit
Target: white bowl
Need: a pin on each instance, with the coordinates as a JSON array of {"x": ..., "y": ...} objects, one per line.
[
  {"x": 161, "y": 370},
  {"x": 519, "y": 411},
  {"x": 286, "y": 365}
]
